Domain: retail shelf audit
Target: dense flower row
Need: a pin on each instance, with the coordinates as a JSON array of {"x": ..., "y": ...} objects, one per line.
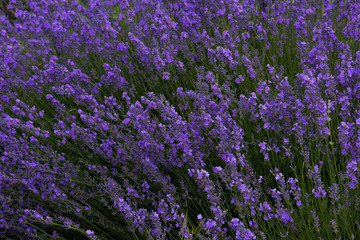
[{"x": 150, "y": 119}]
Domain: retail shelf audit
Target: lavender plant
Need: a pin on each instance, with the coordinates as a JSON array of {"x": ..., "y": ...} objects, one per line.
[{"x": 150, "y": 119}]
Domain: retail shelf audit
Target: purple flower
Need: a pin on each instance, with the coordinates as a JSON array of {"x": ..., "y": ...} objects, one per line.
[{"x": 91, "y": 234}]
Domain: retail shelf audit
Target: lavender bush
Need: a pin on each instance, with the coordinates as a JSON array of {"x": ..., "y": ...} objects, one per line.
[{"x": 151, "y": 119}]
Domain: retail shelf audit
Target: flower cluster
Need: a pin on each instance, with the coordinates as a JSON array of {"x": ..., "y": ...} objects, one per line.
[{"x": 153, "y": 119}]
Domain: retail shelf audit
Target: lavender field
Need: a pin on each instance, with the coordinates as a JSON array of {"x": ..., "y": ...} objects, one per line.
[{"x": 179, "y": 119}]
